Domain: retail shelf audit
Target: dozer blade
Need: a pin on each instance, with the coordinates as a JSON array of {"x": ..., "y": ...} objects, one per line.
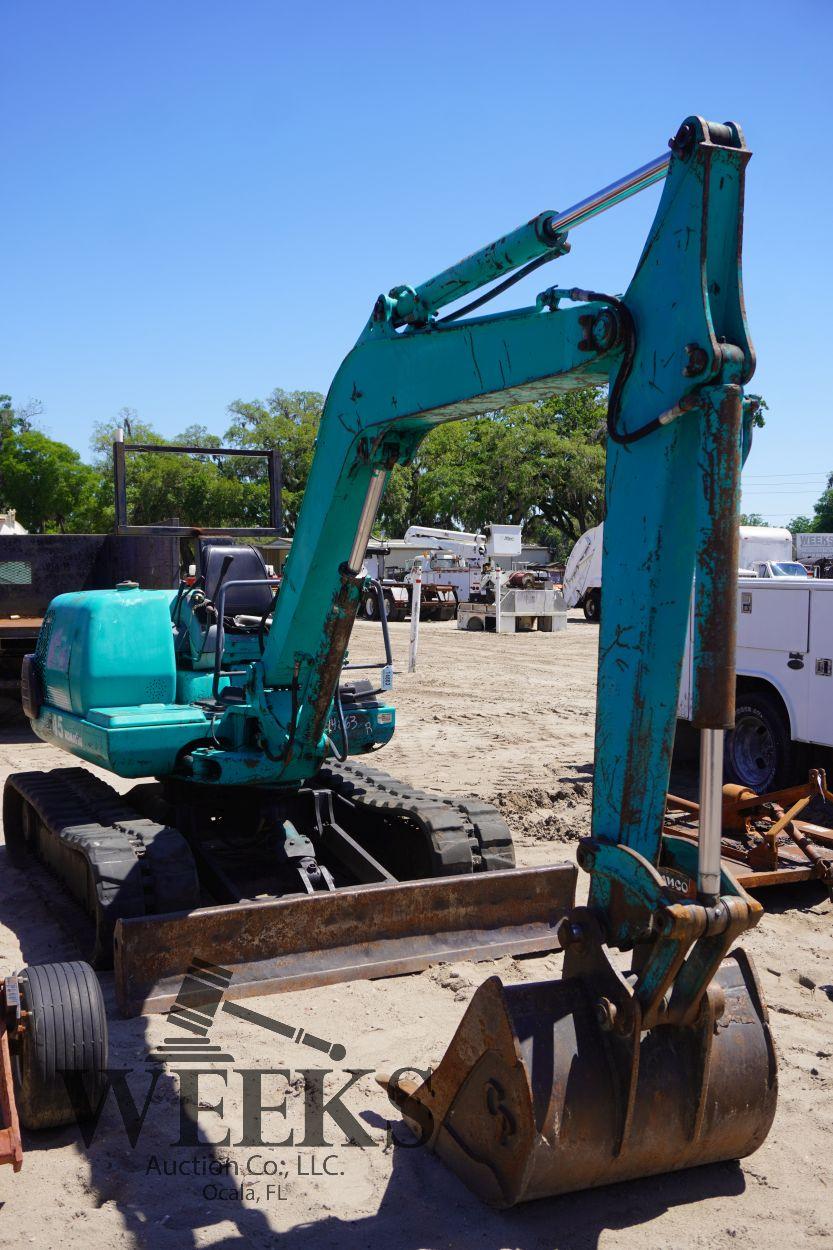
[
  {"x": 356, "y": 933},
  {"x": 533, "y": 1099}
]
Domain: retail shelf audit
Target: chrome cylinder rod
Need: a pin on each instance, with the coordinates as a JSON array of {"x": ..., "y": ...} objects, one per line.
[
  {"x": 631, "y": 184},
  {"x": 544, "y": 234},
  {"x": 711, "y": 814},
  {"x": 368, "y": 515}
]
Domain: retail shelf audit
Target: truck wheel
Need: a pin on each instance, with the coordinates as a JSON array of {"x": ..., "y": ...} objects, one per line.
[
  {"x": 593, "y": 606},
  {"x": 758, "y": 749},
  {"x": 371, "y": 606},
  {"x": 66, "y": 1032}
]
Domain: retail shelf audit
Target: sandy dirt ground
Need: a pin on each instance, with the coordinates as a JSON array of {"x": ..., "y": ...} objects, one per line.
[{"x": 510, "y": 719}]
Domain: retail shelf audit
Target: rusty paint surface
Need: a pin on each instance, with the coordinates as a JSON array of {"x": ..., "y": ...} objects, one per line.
[
  {"x": 535, "y": 1098},
  {"x": 330, "y": 659},
  {"x": 11, "y": 1148},
  {"x": 715, "y": 601},
  {"x": 762, "y": 834},
  {"x": 359, "y": 933}
]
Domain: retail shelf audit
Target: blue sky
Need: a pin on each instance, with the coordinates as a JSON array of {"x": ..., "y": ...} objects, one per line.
[{"x": 202, "y": 200}]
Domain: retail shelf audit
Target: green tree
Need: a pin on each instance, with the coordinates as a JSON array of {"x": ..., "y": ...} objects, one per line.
[
  {"x": 800, "y": 525},
  {"x": 18, "y": 418},
  {"x": 750, "y": 518},
  {"x": 195, "y": 490},
  {"x": 823, "y": 520},
  {"x": 45, "y": 481},
  {"x": 287, "y": 421},
  {"x": 7, "y": 414},
  {"x": 540, "y": 465},
  {"x": 758, "y": 406}
]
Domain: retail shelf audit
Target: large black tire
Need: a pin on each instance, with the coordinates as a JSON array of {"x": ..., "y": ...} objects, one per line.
[
  {"x": 66, "y": 1032},
  {"x": 370, "y": 606},
  {"x": 759, "y": 751},
  {"x": 593, "y": 606}
]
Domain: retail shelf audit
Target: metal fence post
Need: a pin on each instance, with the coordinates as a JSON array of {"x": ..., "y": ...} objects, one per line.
[{"x": 416, "y": 603}]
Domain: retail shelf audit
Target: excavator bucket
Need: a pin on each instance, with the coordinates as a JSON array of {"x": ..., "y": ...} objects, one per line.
[{"x": 534, "y": 1098}]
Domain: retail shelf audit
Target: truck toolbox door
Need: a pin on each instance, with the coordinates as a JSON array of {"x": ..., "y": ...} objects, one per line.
[{"x": 820, "y": 665}]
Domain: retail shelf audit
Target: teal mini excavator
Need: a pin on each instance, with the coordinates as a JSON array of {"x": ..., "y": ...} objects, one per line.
[{"x": 269, "y": 845}]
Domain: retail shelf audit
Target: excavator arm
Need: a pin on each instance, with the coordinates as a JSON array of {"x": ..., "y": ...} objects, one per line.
[
  {"x": 667, "y": 346},
  {"x": 613, "y": 1073}
]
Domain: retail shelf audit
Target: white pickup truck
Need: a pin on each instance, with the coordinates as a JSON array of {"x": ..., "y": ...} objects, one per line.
[
  {"x": 784, "y": 663},
  {"x": 789, "y": 569}
]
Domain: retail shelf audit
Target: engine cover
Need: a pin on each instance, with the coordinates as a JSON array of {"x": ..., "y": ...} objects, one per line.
[{"x": 107, "y": 648}]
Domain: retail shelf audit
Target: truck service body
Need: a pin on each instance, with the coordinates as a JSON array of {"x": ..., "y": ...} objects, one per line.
[{"x": 784, "y": 665}]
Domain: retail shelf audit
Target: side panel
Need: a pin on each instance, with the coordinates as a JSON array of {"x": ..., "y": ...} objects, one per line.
[
  {"x": 773, "y": 617},
  {"x": 820, "y": 667},
  {"x": 107, "y": 648},
  {"x": 146, "y": 749},
  {"x": 773, "y": 641},
  {"x": 773, "y": 646}
]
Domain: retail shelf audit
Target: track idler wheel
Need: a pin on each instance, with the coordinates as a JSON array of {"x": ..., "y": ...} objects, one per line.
[{"x": 534, "y": 1098}]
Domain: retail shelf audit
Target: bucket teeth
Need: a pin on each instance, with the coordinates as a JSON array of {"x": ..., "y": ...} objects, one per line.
[{"x": 531, "y": 1101}]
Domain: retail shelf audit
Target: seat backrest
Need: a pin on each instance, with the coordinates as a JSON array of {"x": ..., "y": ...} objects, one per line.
[{"x": 246, "y": 563}]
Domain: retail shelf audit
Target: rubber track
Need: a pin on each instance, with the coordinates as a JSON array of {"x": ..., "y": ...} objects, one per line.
[
  {"x": 467, "y": 835},
  {"x": 113, "y": 860}
]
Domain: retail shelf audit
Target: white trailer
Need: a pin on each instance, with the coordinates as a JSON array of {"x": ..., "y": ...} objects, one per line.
[
  {"x": 767, "y": 552},
  {"x": 763, "y": 542},
  {"x": 763, "y": 552},
  {"x": 582, "y": 586},
  {"x": 784, "y": 663}
]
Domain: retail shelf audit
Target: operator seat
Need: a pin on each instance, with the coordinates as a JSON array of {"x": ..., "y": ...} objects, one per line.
[{"x": 244, "y": 606}]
